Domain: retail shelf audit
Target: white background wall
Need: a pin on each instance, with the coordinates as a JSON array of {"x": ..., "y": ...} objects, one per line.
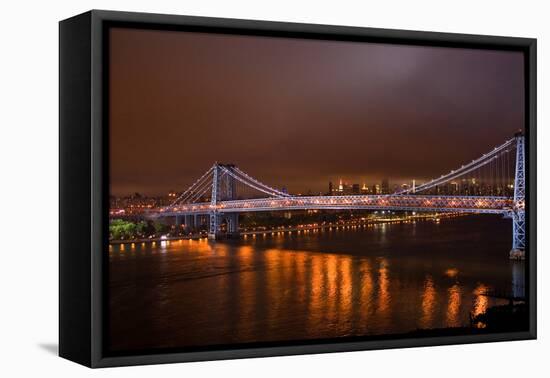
[{"x": 29, "y": 188}]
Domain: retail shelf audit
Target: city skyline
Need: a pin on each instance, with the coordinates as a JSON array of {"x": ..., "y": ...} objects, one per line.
[
  {"x": 300, "y": 113},
  {"x": 342, "y": 187}
]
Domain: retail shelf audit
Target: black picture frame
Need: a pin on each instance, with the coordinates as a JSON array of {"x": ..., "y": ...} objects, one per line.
[{"x": 84, "y": 177}]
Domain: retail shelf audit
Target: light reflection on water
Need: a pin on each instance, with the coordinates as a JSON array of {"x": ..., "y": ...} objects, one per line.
[
  {"x": 429, "y": 298},
  {"x": 380, "y": 280},
  {"x": 453, "y": 306}
]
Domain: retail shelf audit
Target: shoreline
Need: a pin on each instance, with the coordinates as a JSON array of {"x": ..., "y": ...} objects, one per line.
[{"x": 297, "y": 229}]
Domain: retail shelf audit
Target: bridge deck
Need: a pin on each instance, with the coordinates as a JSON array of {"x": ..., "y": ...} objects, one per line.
[{"x": 474, "y": 204}]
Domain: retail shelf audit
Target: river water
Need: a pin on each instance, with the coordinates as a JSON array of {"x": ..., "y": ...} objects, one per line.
[{"x": 379, "y": 280}]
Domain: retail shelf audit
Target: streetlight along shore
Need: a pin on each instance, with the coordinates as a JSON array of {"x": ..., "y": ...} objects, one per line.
[{"x": 302, "y": 228}]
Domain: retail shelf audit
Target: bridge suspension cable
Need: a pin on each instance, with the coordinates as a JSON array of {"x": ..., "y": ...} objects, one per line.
[
  {"x": 484, "y": 160},
  {"x": 183, "y": 198},
  {"x": 247, "y": 180},
  {"x": 207, "y": 187},
  {"x": 203, "y": 185}
]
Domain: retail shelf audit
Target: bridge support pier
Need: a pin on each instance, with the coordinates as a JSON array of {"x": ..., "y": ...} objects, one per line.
[
  {"x": 214, "y": 226},
  {"x": 517, "y": 254},
  {"x": 189, "y": 222},
  {"x": 232, "y": 220},
  {"x": 232, "y": 223},
  {"x": 518, "y": 235},
  {"x": 178, "y": 222}
]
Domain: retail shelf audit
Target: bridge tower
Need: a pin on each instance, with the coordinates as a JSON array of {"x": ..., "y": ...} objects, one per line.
[
  {"x": 518, "y": 212},
  {"x": 214, "y": 215},
  {"x": 223, "y": 188},
  {"x": 230, "y": 193}
]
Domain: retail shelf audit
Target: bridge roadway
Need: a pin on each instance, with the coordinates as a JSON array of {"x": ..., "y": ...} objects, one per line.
[{"x": 401, "y": 202}]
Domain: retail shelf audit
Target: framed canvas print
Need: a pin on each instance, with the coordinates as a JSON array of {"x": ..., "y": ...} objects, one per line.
[{"x": 233, "y": 188}]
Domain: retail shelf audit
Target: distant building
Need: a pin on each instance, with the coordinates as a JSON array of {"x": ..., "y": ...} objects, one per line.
[
  {"x": 138, "y": 203},
  {"x": 346, "y": 189},
  {"x": 454, "y": 187},
  {"x": 386, "y": 186}
]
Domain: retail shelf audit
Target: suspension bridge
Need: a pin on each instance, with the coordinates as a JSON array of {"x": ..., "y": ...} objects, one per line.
[{"x": 491, "y": 184}]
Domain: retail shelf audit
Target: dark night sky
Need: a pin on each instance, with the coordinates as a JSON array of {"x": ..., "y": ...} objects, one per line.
[{"x": 298, "y": 113}]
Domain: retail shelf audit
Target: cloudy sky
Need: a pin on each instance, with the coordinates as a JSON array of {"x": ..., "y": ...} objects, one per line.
[{"x": 298, "y": 113}]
